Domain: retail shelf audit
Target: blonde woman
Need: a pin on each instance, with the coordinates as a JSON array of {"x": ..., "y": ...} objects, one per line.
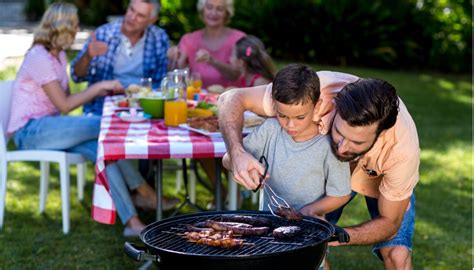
[
  {"x": 41, "y": 94},
  {"x": 208, "y": 50}
]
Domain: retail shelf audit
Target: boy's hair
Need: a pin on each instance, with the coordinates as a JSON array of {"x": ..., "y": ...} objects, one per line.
[
  {"x": 251, "y": 50},
  {"x": 368, "y": 101},
  {"x": 296, "y": 84},
  {"x": 57, "y": 28}
]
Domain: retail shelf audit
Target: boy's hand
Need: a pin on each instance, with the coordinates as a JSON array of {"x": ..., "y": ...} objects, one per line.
[{"x": 247, "y": 170}]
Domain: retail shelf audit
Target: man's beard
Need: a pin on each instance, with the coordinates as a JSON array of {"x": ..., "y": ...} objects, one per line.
[{"x": 348, "y": 156}]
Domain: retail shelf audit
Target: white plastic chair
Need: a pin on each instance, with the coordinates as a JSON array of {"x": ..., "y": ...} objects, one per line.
[{"x": 43, "y": 156}]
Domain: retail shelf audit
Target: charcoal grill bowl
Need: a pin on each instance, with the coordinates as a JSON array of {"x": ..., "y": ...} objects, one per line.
[{"x": 308, "y": 256}]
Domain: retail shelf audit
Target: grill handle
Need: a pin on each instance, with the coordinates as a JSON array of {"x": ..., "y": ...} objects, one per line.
[
  {"x": 340, "y": 235},
  {"x": 139, "y": 254}
]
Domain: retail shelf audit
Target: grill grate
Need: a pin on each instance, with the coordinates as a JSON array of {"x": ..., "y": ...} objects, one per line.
[{"x": 167, "y": 235}]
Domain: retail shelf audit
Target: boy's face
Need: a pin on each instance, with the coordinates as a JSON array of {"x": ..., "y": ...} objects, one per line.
[{"x": 297, "y": 120}]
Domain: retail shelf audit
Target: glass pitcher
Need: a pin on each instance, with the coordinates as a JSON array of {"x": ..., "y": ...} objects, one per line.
[
  {"x": 173, "y": 87},
  {"x": 175, "y": 83}
]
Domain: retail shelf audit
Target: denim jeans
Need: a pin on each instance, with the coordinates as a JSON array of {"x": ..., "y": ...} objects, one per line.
[
  {"x": 122, "y": 178},
  {"x": 78, "y": 134},
  {"x": 404, "y": 235}
]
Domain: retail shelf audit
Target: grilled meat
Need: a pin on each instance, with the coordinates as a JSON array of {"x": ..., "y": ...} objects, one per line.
[
  {"x": 252, "y": 220},
  {"x": 242, "y": 230},
  {"x": 214, "y": 239},
  {"x": 286, "y": 232},
  {"x": 289, "y": 213},
  {"x": 225, "y": 243},
  {"x": 191, "y": 228}
]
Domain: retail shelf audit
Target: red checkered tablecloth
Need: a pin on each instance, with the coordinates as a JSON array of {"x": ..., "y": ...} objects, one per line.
[{"x": 150, "y": 139}]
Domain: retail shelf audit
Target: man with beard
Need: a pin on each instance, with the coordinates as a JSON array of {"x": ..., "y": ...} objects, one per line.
[{"x": 371, "y": 128}]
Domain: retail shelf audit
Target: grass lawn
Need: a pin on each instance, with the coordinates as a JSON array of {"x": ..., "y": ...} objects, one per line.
[{"x": 441, "y": 107}]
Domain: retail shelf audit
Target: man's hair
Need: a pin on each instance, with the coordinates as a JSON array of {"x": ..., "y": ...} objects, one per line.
[
  {"x": 368, "y": 101},
  {"x": 296, "y": 84},
  {"x": 156, "y": 6}
]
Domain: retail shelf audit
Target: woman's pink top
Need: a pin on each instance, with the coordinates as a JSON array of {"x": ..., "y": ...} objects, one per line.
[
  {"x": 243, "y": 82},
  {"x": 29, "y": 100},
  {"x": 192, "y": 42}
]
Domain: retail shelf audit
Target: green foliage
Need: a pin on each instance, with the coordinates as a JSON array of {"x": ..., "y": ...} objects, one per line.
[
  {"x": 413, "y": 34},
  {"x": 389, "y": 34},
  {"x": 34, "y": 9}
]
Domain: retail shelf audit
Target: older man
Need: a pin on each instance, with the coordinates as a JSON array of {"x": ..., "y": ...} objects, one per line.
[
  {"x": 127, "y": 49},
  {"x": 371, "y": 128}
]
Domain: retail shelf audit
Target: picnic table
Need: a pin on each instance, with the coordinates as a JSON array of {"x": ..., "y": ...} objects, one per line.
[{"x": 149, "y": 139}]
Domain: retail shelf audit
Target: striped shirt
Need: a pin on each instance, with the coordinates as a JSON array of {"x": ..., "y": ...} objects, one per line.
[
  {"x": 102, "y": 67},
  {"x": 29, "y": 100}
]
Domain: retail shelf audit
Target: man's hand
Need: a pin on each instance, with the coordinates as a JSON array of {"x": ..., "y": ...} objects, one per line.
[
  {"x": 96, "y": 48},
  {"x": 247, "y": 170}
]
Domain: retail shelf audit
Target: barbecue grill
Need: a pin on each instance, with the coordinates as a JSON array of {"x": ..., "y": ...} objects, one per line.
[{"x": 165, "y": 244}]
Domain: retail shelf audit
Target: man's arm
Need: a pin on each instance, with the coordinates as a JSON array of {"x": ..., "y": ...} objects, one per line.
[
  {"x": 381, "y": 228},
  {"x": 91, "y": 49},
  {"x": 232, "y": 105},
  {"x": 82, "y": 65}
]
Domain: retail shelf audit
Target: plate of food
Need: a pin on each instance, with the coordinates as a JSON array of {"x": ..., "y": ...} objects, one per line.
[
  {"x": 133, "y": 117},
  {"x": 208, "y": 126}
]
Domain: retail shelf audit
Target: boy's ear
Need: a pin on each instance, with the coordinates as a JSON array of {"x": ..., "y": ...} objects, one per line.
[{"x": 317, "y": 106}]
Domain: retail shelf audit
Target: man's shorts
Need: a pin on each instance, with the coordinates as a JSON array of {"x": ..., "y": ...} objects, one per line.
[{"x": 404, "y": 235}]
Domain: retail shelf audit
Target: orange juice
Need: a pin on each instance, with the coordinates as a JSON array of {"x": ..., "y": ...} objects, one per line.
[
  {"x": 197, "y": 84},
  {"x": 191, "y": 90},
  {"x": 175, "y": 112}
]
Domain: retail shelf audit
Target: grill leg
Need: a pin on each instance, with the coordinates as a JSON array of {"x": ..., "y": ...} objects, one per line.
[
  {"x": 187, "y": 200},
  {"x": 158, "y": 170},
  {"x": 218, "y": 184},
  {"x": 146, "y": 265}
]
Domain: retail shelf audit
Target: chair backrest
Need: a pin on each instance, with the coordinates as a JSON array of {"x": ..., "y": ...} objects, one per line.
[{"x": 6, "y": 90}]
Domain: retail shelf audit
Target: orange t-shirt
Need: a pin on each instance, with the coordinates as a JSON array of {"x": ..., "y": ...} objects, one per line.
[{"x": 391, "y": 167}]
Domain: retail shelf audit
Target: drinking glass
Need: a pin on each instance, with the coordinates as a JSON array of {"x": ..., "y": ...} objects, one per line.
[
  {"x": 146, "y": 85},
  {"x": 196, "y": 80}
]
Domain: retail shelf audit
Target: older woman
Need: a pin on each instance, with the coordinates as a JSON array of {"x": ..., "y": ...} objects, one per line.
[
  {"x": 41, "y": 93},
  {"x": 208, "y": 50}
]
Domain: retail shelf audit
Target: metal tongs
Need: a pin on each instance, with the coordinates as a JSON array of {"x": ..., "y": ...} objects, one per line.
[
  {"x": 263, "y": 160},
  {"x": 275, "y": 200}
]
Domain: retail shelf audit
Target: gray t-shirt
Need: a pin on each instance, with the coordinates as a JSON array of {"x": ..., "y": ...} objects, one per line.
[{"x": 301, "y": 172}]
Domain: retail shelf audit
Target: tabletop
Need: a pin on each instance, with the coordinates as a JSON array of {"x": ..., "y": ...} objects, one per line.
[{"x": 149, "y": 139}]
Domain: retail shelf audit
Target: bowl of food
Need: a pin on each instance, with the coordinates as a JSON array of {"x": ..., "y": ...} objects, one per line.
[{"x": 153, "y": 105}]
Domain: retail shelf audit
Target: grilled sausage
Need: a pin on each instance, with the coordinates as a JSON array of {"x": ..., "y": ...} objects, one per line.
[
  {"x": 223, "y": 225},
  {"x": 242, "y": 230},
  {"x": 289, "y": 213},
  {"x": 191, "y": 228},
  {"x": 252, "y": 220},
  {"x": 286, "y": 232}
]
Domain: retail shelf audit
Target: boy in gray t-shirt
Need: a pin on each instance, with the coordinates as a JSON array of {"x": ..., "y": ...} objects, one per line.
[{"x": 302, "y": 168}]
